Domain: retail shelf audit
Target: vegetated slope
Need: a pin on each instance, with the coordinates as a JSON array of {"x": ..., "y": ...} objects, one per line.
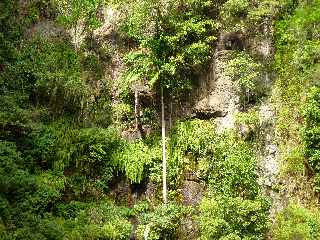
[{"x": 80, "y": 140}]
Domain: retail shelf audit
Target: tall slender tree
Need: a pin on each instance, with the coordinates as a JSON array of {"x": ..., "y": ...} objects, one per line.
[
  {"x": 174, "y": 38},
  {"x": 164, "y": 152}
]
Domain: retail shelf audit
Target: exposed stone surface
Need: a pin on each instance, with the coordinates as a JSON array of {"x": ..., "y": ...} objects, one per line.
[
  {"x": 261, "y": 43},
  {"x": 217, "y": 94},
  {"x": 188, "y": 229},
  {"x": 46, "y": 29},
  {"x": 283, "y": 188},
  {"x": 268, "y": 160},
  {"x": 280, "y": 186},
  {"x": 151, "y": 192},
  {"x": 192, "y": 192},
  {"x": 120, "y": 190},
  {"x": 126, "y": 193}
]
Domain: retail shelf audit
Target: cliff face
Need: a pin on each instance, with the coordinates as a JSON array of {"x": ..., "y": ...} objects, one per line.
[
  {"x": 216, "y": 96},
  {"x": 238, "y": 94}
]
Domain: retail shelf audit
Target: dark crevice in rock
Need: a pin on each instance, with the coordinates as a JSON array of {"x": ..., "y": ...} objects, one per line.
[
  {"x": 232, "y": 41},
  {"x": 207, "y": 114}
]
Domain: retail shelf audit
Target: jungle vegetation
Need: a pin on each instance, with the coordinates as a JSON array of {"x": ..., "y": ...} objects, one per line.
[{"x": 70, "y": 133}]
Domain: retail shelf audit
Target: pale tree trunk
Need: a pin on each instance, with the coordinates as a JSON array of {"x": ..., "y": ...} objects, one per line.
[
  {"x": 136, "y": 107},
  {"x": 170, "y": 116},
  {"x": 164, "y": 159}
]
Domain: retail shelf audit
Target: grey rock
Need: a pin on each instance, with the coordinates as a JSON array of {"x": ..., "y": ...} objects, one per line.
[{"x": 192, "y": 193}]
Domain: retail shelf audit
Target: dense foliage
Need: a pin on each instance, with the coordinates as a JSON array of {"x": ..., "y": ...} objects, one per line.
[
  {"x": 296, "y": 60},
  {"x": 66, "y": 140},
  {"x": 174, "y": 39},
  {"x": 311, "y": 131},
  {"x": 297, "y": 102},
  {"x": 296, "y": 222},
  {"x": 161, "y": 223},
  {"x": 234, "y": 207}
]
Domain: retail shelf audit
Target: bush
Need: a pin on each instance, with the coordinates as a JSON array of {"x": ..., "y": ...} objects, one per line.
[
  {"x": 233, "y": 218},
  {"x": 234, "y": 207},
  {"x": 29, "y": 192},
  {"x": 246, "y": 73},
  {"x": 162, "y": 223},
  {"x": 248, "y": 124},
  {"x": 91, "y": 221},
  {"x": 26, "y": 197},
  {"x": 136, "y": 158},
  {"x": 235, "y": 7},
  {"x": 235, "y": 163},
  {"x": 191, "y": 144},
  {"x": 296, "y": 65},
  {"x": 311, "y": 130},
  {"x": 195, "y": 146},
  {"x": 62, "y": 145},
  {"x": 101, "y": 220},
  {"x": 296, "y": 222}
]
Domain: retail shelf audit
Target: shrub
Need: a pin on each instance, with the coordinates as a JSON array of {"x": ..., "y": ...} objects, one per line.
[
  {"x": 101, "y": 220},
  {"x": 235, "y": 7},
  {"x": 62, "y": 145},
  {"x": 233, "y": 218},
  {"x": 234, "y": 207},
  {"x": 296, "y": 222},
  {"x": 249, "y": 122},
  {"x": 136, "y": 158},
  {"x": 311, "y": 130},
  {"x": 246, "y": 73},
  {"x": 191, "y": 142},
  {"x": 194, "y": 145},
  {"x": 162, "y": 223}
]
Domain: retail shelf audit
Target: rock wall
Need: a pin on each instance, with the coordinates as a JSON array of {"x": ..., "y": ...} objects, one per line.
[
  {"x": 268, "y": 157},
  {"x": 217, "y": 94},
  {"x": 214, "y": 97}
]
